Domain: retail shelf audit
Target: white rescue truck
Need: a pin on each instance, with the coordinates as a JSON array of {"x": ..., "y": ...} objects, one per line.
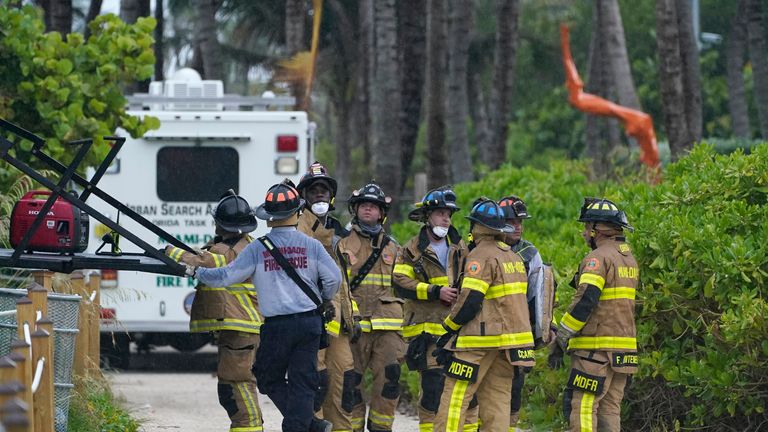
[{"x": 173, "y": 176}]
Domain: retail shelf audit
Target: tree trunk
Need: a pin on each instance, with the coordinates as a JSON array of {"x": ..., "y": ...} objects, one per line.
[
  {"x": 478, "y": 110},
  {"x": 412, "y": 44},
  {"x": 759, "y": 57},
  {"x": 61, "y": 17},
  {"x": 159, "y": 41},
  {"x": 45, "y": 5},
  {"x": 612, "y": 30},
  {"x": 689, "y": 53},
  {"x": 735, "y": 49},
  {"x": 132, "y": 10},
  {"x": 94, "y": 9},
  {"x": 438, "y": 171},
  {"x": 671, "y": 78},
  {"x": 362, "y": 114},
  {"x": 295, "y": 27},
  {"x": 207, "y": 40},
  {"x": 457, "y": 112},
  {"x": 505, "y": 53},
  {"x": 385, "y": 99}
]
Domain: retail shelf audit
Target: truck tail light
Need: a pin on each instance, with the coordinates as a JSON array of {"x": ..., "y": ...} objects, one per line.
[
  {"x": 109, "y": 278},
  {"x": 287, "y": 143}
]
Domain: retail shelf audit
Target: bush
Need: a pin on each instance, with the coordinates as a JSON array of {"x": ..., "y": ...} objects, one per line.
[
  {"x": 95, "y": 409},
  {"x": 702, "y": 245}
]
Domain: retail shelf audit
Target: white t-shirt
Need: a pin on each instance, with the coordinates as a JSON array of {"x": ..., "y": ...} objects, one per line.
[{"x": 441, "y": 250}]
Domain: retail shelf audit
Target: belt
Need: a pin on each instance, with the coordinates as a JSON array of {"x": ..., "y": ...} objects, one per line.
[{"x": 313, "y": 312}]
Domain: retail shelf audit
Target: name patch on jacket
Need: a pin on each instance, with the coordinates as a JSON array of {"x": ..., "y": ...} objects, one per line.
[
  {"x": 586, "y": 382},
  {"x": 520, "y": 354},
  {"x": 624, "y": 359},
  {"x": 462, "y": 370},
  {"x": 514, "y": 267}
]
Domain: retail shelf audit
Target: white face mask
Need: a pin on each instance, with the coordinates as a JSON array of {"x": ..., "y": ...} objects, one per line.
[
  {"x": 439, "y": 231},
  {"x": 320, "y": 208}
]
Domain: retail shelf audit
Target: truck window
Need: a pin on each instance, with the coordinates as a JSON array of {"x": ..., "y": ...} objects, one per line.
[{"x": 197, "y": 174}]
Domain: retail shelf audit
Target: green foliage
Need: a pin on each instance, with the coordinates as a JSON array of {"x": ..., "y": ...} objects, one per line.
[
  {"x": 702, "y": 245},
  {"x": 70, "y": 89},
  {"x": 95, "y": 409}
]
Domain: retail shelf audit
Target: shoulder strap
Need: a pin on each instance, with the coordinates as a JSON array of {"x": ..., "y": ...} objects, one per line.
[
  {"x": 368, "y": 264},
  {"x": 289, "y": 270}
]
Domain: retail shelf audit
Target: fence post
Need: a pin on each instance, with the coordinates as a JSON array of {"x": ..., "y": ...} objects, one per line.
[
  {"x": 39, "y": 296},
  {"x": 94, "y": 334},
  {"x": 42, "y": 347},
  {"x": 43, "y": 278},
  {"x": 81, "y": 342},
  {"x": 25, "y": 314},
  {"x": 22, "y": 348},
  {"x": 15, "y": 414}
]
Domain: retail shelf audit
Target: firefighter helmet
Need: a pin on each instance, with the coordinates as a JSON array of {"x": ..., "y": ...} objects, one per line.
[
  {"x": 603, "y": 210},
  {"x": 514, "y": 207},
  {"x": 369, "y": 193},
  {"x": 281, "y": 202},
  {"x": 441, "y": 198},
  {"x": 489, "y": 214},
  {"x": 317, "y": 172},
  {"x": 233, "y": 214}
]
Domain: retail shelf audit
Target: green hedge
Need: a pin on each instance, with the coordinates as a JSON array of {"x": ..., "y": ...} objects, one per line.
[{"x": 701, "y": 242}]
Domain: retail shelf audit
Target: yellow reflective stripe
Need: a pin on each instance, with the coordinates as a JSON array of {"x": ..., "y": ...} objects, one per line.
[
  {"x": 219, "y": 260},
  {"x": 246, "y": 304},
  {"x": 387, "y": 324},
  {"x": 475, "y": 284},
  {"x": 417, "y": 329},
  {"x": 592, "y": 279},
  {"x": 357, "y": 423},
  {"x": 365, "y": 325},
  {"x": 506, "y": 289},
  {"x": 247, "y": 429},
  {"x": 333, "y": 327},
  {"x": 571, "y": 322},
  {"x": 618, "y": 293},
  {"x": 524, "y": 338},
  {"x": 349, "y": 274},
  {"x": 426, "y": 427},
  {"x": 354, "y": 306},
  {"x": 602, "y": 342},
  {"x": 454, "y": 408},
  {"x": 176, "y": 253},
  {"x": 450, "y": 324},
  {"x": 377, "y": 279},
  {"x": 378, "y": 418},
  {"x": 471, "y": 427},
  {"x": 422, "y": 291},
  {"x": 440, "y": 280},
  {"x": 585, "y": 411},
  {"x": 405, "y": 270},
  {"x": 199, "y": 326},
  {"x": 250, "y": 407}
]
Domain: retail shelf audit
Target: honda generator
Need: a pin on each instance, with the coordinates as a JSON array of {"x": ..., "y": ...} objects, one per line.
[{"x": 64, "y": 228}]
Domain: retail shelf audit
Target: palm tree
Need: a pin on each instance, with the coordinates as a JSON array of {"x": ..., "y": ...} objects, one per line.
[
  {"x": 295, "y": 28},
  {"x": 457, "y": 111},
  {"x": 612, "y": 30},
  {"x": 736, "y": 44},
  {"x": 206, "y": 39},
  {"x": 94, "y": 9},
  {"x": 159, "y": 40},
  {"x": 689, "y": 52},
  {"x": 60, "y": 13},
  {"x": 437, "y": 163},
  {"x": 759, "y": 57}
]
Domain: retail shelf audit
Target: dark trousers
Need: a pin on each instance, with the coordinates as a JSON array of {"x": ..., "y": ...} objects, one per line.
[{"x": 286, "y": 366}]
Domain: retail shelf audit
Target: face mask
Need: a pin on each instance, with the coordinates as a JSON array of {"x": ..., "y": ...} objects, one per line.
[
  {"x": 320, "y": 208},
  {"x": 439, "y": 231}
]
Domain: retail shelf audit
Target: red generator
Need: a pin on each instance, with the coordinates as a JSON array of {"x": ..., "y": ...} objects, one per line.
[{"x": 64, "y": 229}]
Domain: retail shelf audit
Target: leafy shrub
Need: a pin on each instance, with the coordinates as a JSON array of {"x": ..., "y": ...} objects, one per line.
[{"x": 95, "y": 409}]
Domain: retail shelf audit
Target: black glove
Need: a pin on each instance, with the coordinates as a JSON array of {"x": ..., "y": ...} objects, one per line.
[
  {"x": 555, "y": 358},
  {"x": 356, "y": 332},
  {"x": 442, "y": 355},
  {"x": 327, "y": 311}
]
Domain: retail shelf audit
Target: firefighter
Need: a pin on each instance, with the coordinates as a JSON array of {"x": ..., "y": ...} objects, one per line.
[
  {"x": 232, "y": 314},
  {"x": 540, "y": 294},
  {"x": 369, "y": 255},
  {"x": 488, "y": 331},
  {"x": 335, "y": 363},
  {"x": 425, "y": 274},
  {"x": 598, "y": 329},
  {"x": 296, "y": 280}
]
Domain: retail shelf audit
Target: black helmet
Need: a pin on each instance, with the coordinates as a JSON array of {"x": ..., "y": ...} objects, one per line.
[
  {"x": 233, "y": 214},
  {"x": 281, "y": 202},
  {"x": 316, "y": 172},
  {"x": 603, "y": 210},
  {"x": 441, "y": 198},
  {"x": 369, "y": 193},
  {"x": 514, "y": 207},
  {"x": 489, "y": 214}
]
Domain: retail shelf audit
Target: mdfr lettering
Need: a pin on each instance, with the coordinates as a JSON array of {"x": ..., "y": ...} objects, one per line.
[
  {"x": 587, "y": 384},
  {"x": 461, "y": 370}
]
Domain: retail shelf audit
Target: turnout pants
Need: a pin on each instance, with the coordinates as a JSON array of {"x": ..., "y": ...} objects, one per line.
[
  {"x": 592, "y": 400},
  {"x": 337, "y": 371},
  {"x": 286, "y": 366},
  {"x": 381, "y": 351},
  {"x": 485, "y": 374},
  {"x": 237, "y": 386}
]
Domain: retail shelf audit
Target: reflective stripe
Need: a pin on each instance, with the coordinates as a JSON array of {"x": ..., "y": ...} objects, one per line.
[
  {"x": 176, "y": 253},
  {"x": 422, "y": 291},
  {"x": 377, "y": 279},
  {"x": 378, "y": 418},
  {"x": 436, "y": 329},
  {"x": 426, "y": 427},
  {"x": 357, "y": 423},
  {"x": 602, "y": 342},
  {"x": 247, "y": 429},
  {"x": 454, "y": 408},
  {"x": 354, "y": 306},
  {"x": 405, "y": 269},
  {"x": 506, "y": 289},
  {"x": 250, "y": 407},
  {"x": 450, "y": 324},
  {"x": 219, "y": 260},
  {"x": 200, "y": 326},
  {"x": 571, "y": 322},
  {"x": 365, "y": 325},
  {"x": 475, "y": 284},
  {"x": 513, "y": 339},
  {"x": 471, "y": 427},
  {"x": 592, "y": 279},
  {"x": 387, "y": 324},
  {"x": 618, "y": 293},
  {"x": 333, "y": 327},
  {"x": 440, "y": 280},
  {"x": 245, "y": 303},
  {"x": 585, "y": 411}
]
